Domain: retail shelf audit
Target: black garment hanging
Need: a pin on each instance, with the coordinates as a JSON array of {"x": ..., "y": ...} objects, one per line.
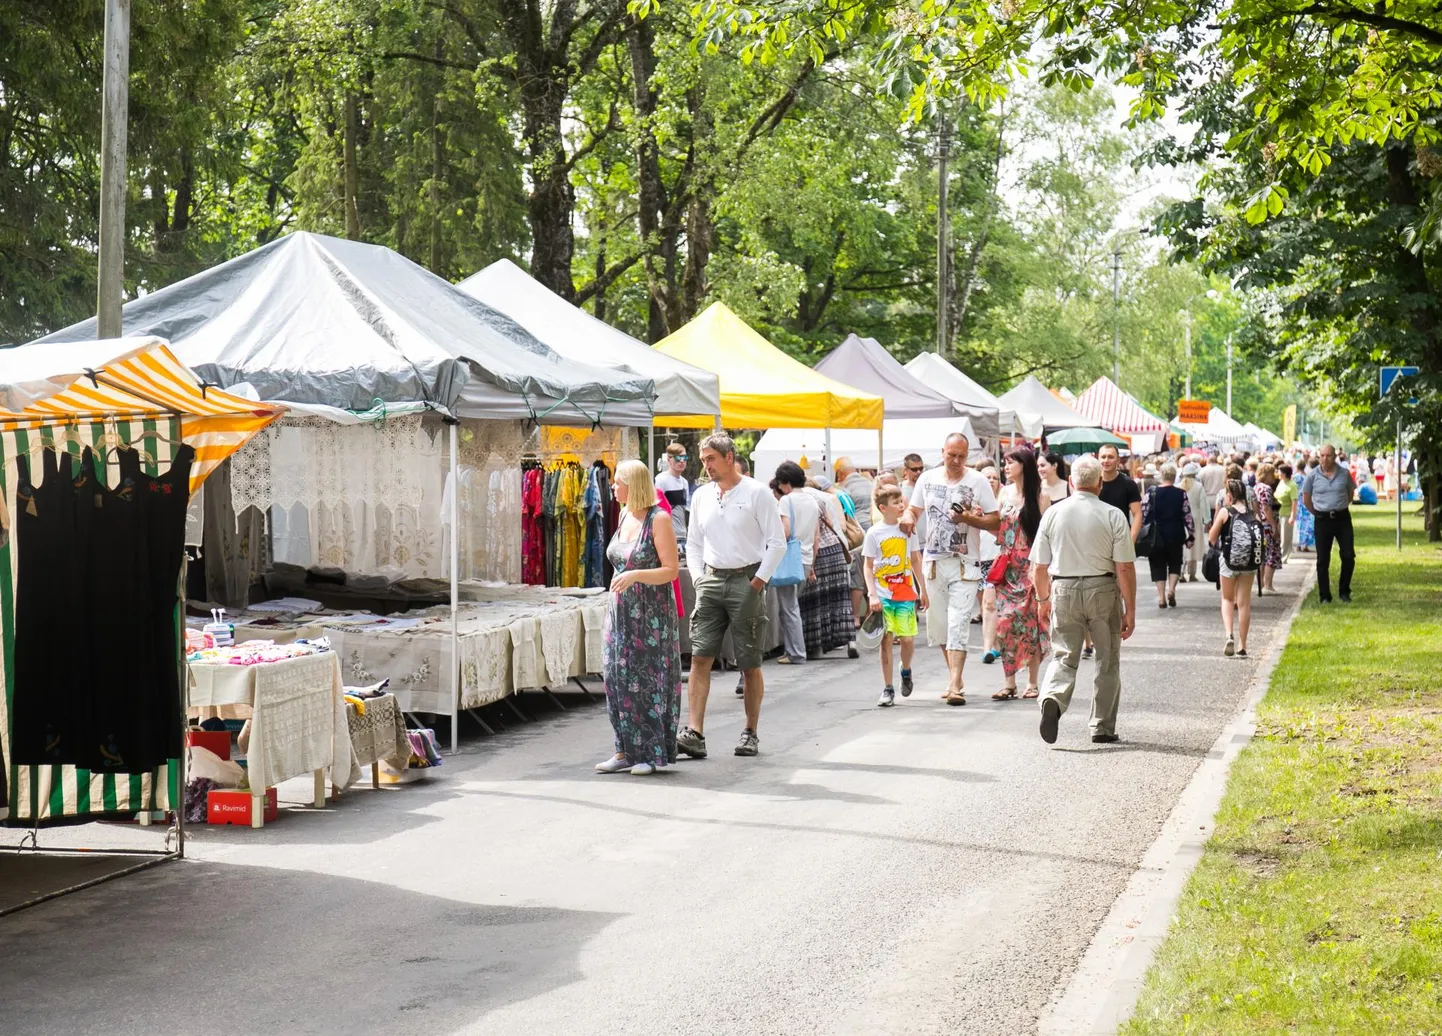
[
  {"x": 51, "y": 696},
  {"x": 165, "y": 500}
]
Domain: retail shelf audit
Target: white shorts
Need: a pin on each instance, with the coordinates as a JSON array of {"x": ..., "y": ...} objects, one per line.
[{"x": 953, "y": 588}]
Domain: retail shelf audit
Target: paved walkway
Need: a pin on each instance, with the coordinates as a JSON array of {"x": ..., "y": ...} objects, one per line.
[{"x": 918, "y": 870}]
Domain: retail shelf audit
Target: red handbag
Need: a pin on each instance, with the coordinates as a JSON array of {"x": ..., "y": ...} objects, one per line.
[{"x": 996, "y": 575}]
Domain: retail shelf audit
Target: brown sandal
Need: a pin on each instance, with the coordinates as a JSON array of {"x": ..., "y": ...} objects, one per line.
[
  {"x": 959, "y": 698},
  {"x": 1032, "y": 692},
  {"x": 1005, "y": 694}
]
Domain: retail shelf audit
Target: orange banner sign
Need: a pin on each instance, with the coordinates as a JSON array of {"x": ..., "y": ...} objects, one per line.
[{"x": 1193, "y": 411}]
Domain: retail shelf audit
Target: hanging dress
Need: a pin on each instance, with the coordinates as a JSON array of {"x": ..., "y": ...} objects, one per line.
[
  {"x": 165, "y": 499},
  {"x": 51, "y": 695},
  {"x": 643, "y": 656}
]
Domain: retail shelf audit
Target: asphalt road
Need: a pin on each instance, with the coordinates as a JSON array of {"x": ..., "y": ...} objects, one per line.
[{"x": 923, "y": 869}]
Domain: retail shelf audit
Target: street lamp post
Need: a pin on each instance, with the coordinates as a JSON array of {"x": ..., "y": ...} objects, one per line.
[
  {"x": 1117, "y": 311},
  {"x": 115, "y": 100},
  {"x": 1229, "y": 375},
  {"x": 1187, "y": 338}
]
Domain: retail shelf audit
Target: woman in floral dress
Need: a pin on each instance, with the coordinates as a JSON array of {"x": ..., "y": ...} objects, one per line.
[
  {"x": 1020, "y": 635},
  {"x": 1305, "y": 539},
  {"x": 643, "y": 630},
  {"x": 1271, "y": 531}
]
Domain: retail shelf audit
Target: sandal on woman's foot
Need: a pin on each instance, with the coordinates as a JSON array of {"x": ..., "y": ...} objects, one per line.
[
  {"x": 1032, "y": 692},
  {"x": 1005, "y": 694},
  {"x": 956, "y": 698}
]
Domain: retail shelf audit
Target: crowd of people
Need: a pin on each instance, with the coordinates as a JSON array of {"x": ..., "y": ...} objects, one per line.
[{"x": 1041, "y": 554}]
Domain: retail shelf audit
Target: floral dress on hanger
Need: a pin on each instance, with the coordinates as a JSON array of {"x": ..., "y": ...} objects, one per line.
[
  {"x": 1020, "y": 634},
  {"x": 643, "y": 656}
]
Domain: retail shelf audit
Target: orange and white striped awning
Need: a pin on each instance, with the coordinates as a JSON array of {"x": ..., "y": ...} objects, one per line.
[
  {"x": 1116, "y": 411},
  {"x": 126, "y": 379}
]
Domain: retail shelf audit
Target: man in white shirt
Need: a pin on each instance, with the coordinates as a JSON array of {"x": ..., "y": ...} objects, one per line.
[
  {"x": 958, "y": 504},
  {"x": 734, "y": 543},
  {"x": 1213, "y": 473}
]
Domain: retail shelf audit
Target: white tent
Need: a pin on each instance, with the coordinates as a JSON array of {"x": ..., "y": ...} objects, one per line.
[
  {"x": 960, "y": 389},
  {"x": 1030, "y": 395},
  {"x": 1219, "y": 429},
  {"x": 681, "y": 389},
  {"x": 900, "y": 436}
]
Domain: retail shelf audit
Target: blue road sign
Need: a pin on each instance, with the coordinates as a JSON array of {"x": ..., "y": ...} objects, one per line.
[{"x": 1391, "y": 374}]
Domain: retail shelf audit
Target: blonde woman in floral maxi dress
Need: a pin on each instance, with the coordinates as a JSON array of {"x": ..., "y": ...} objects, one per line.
[
  {"x": 643, "y": 630},
  {"x": 1021, "y": 637}
]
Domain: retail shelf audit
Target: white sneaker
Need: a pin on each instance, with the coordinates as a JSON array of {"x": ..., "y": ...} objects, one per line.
[
  {"x": 613, "y": 765},
  {"x": 1230, "y": 648},
  {"x": 642, "y": 770}
]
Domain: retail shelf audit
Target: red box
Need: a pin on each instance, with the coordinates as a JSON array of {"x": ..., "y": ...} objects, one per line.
[
  {"x": 217, "y": 741},
  {"x": 233, "y": 807}
]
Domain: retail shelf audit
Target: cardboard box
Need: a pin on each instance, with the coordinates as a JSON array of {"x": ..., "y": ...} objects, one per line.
[
  {"x": 217, "y": 741},
  {"x": 233, "y": 807}
]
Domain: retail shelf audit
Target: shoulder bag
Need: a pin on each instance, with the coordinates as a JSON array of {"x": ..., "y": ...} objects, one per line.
[
  {"x": 845, "y": 548},
  {"x": 791, "y": 571},
  {"x": 1149, "y": 540}
]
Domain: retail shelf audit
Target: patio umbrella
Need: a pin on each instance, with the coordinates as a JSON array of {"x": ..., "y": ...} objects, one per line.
[{"x": 1084, "y": 440}]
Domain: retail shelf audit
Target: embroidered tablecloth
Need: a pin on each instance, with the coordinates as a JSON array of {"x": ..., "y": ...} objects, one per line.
[{"x": 380, "y": 733}]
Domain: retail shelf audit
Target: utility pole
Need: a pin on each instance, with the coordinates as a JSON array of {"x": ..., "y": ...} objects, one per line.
[
  {"x": 1229, "y": 375},
  {"x": 1187, "y": 332},
  {"x": 943, "y": 267},
  {"x": 114, "y": 115},
  {"x": 1117, "y": 311}
]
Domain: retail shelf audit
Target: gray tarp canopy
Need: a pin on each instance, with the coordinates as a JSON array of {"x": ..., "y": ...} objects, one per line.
[
  {"x": 681, "y": 389},
  {"x": 316, "y": 320},
  {"x": 864, "y": 363},
  {"x": 1032, "y": 395}
]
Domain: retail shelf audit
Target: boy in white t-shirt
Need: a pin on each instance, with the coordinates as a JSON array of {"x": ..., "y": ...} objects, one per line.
[{"x": 895, "y": 585}]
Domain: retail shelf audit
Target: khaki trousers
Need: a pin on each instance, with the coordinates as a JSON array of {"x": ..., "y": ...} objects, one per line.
[{"x": 1078, "y": 607}]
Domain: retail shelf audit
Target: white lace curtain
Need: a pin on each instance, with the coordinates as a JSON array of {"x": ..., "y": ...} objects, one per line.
[{"x": 365, "y": 498}]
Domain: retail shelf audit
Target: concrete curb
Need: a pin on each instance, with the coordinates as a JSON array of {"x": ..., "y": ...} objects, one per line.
[{"x": 1104, "y": 989}]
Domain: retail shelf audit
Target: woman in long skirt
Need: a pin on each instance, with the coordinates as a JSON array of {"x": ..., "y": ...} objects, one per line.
[
  {"x": 826, "y": 601},
  {"x": 1020, "y": 634},
  {"x": 643, "y": 630}
]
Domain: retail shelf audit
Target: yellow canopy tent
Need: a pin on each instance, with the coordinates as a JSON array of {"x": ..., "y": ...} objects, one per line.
[{"x": 762, "y": 387}]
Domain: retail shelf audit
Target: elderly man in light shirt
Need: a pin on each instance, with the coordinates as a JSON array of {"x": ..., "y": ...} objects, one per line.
[
  {"x": 734, "y": 543},
  {"x": 1084, "y": 570}
]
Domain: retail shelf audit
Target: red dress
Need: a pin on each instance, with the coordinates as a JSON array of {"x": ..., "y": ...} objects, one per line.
[{"x": 533, "y": 537}]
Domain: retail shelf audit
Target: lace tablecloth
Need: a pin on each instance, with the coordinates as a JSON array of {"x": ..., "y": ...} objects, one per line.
[
  {"x": 513, "y": 639},
  {"x": 298, "y": 722},
  {"x": 380, "y": 733}
]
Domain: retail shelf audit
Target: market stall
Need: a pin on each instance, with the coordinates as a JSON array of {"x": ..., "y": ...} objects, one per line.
[
  {"x": 95, "y": 729},
  {"x": 978, "y": 403},
  {"x": 387, "y": 368},
  {"x": 1110, "y": 407},
  {"x": 1030, "y": 396},
  {"x": 1218, "y": 430}
]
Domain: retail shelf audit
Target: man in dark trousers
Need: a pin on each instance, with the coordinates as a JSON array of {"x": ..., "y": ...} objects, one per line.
[{"x": 1327, "y": 493}]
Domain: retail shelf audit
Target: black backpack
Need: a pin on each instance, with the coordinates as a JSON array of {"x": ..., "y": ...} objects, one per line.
[{"x": 1242, "y": 542}]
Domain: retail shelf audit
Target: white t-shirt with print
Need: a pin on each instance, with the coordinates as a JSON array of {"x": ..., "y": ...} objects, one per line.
[{"x": 934, "y": 494}]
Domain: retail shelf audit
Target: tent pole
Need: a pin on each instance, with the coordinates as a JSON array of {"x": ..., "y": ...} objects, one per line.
[
  {"x": 828, "y": 461},
  {"x": 880, "y": 449},
  {"x": 455, "y": 680},
  {"x": 651, "y": 447}
]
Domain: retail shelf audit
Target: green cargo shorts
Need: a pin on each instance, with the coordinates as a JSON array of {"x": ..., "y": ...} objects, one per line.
[{"x": 725, "y": 600}]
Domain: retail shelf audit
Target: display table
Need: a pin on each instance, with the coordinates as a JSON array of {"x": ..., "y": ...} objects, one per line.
[
  {"x": 378, "y": 734},
  {"x": 298, "y": 720}
]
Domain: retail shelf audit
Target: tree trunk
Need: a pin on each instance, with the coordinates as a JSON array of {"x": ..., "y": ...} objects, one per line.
[
  {"x": 599, "y": 307},
  {"x": 640, "y": 43},
  {"x": 352, "y": 172},
  {"x": 437, "y": 168},
  {"x": 967, "y": 283},
  {"x": 552, "y": 199}
]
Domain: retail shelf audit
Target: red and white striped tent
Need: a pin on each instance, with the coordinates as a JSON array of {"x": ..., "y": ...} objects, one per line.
[{"x": 1116, "y": 411}]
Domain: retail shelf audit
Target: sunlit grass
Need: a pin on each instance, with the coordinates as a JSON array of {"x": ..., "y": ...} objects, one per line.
[{"x": 1317, "y": 907}]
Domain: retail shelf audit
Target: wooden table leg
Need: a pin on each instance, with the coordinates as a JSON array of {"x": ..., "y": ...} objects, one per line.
[
  {"x": 320, "y": 788},
  {"x": 145, "y": 818},
  {"x": 375, "y": 775}
]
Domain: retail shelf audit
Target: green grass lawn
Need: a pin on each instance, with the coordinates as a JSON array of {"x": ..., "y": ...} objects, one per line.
[{"x": 1317, "y": 907}]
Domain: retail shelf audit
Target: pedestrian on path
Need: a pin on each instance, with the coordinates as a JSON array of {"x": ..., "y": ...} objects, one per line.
[
  {"x": 1084, "y": 568},
  {"x": 1201, "y": 505},
  {"x": 1286, "y": 496},
  {"x": 1020, "y": 633},
  {"x": 1269, "y": 513},
  {"x": 958, "y": 505},
  {"x": 1170, "y": 509},
  {"x": 1238, "y": 535},
  {"x": 856, "y": 485},
  {"x": 643, "y": 630},
  {"x": 1052, "y": 467},
  {"x": 826, "y": 615},
  {"x": 1327, "y": 492},
  {"x": 1306, "y": 538},
  {"x": 896, "y": 587},
  {"x": 673, "y": 483},
  {"x": 800, "y": 518},
  {"x": 1120, "y": 490},
  {"x": 734, "y": 543}
]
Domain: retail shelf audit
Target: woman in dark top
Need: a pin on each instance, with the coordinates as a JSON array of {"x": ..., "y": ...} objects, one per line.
[{"x": 1166, "y": 506}]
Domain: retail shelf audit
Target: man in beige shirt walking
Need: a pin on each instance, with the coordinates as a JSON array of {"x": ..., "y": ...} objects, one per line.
[{"x": 1084, "y": 570}]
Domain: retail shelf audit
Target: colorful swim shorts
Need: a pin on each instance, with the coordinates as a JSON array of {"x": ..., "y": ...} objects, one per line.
[{"x": 900, "y": 617}]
